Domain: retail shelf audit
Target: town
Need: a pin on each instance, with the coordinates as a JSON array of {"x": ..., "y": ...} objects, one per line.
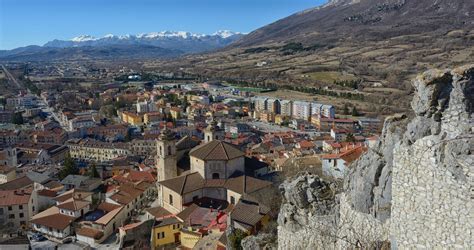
[{"x": 163, "y": 164}]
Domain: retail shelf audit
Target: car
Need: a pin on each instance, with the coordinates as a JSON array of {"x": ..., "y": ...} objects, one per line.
[{"x": 38, "y": 237}]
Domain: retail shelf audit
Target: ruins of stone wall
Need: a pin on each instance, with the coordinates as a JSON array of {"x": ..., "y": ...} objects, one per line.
[{"x": 414, "y": 189}]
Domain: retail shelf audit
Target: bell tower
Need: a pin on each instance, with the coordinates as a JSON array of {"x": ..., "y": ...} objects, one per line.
[
  {"x": 166, "y": 155},
  {"x": 213, "y": 132}
]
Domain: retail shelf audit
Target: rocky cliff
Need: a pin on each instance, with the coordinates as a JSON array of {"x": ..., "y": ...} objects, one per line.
[{"x": 412, "y": 190}]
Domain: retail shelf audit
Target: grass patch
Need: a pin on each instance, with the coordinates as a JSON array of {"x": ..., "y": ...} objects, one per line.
[{"x": 330, "y": 76}]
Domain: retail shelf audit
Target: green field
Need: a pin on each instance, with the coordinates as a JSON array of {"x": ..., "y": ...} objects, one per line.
[{"x": 330, "y": 76}]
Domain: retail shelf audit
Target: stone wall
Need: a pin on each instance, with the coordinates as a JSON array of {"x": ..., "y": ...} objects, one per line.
[{"x": 412, "y": 190}]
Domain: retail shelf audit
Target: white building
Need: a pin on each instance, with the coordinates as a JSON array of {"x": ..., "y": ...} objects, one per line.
[
  {"x": 260, "y": 103},
  {"x": 324, "y": 110},
  {"x": 301, "y": 110},
  {"x": 286, "y": 108}
]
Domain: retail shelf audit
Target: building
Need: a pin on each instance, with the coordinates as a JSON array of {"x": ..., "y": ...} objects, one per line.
[
  {"x": 323, "y": 110},
  {"x": 166, "y": 231},
  {"x": 114, "y": 132},
  {"x": 16, "y": 207},
  {"x": 301, "y": 110},
  {"x": 286, "y": 108},
  {"x": 260, "y": 103},
  {"x": 273, "y": 106},
  {"x": 339, "y": 134},
  {"x": 7, "y": 173},
  {"x": 267, "y": 116},
  {"x": 175, "y": 113},
  {"x": 57, "y": 221},
  {"x": 370, "y": 125},
  {"x": 336, "y": 165},
  {"x": 85, "y": 121},
  {"x": 326, "y": 124},
  {"x": 8, "y": 157},
  {"x": 217, "y": 172},
  {"x": 97, "y": 151},
  {"x": 146, "y": 106},
  {"x": 132, "y": 118}
]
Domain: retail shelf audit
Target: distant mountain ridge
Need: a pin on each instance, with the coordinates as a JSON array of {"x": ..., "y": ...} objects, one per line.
[
  {"x": 142, "y": 46},
  {"x": 186, "y": 41}
]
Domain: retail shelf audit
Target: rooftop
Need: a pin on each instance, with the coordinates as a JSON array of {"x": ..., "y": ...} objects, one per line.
[{"x": 216, "y": 150}]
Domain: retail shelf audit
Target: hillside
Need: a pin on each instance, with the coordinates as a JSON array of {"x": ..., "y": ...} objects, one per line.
[{"x": 382, "y": 43}]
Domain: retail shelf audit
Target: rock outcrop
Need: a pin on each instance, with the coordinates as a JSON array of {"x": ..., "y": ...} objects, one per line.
[{"x": 412, "y": 190}]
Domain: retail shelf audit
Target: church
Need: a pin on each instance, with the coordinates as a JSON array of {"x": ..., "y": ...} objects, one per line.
[{"x": 213, "y": 170}]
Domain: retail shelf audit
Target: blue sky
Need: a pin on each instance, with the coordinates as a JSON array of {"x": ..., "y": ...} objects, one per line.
[{"x": 27, "y": 22}]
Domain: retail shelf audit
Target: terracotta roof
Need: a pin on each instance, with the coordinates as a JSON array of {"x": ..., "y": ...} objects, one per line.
[
  {"x": 248, "y": 212},
  {"x": 134, "y": 175},
  {"x": 107, "y": 207},
  {"x": 14, "y": 197},
  {"x": 131, "y": 226},
  {"x": 47, "y": 193},
  {"x": 6, "y": 169},
  {"x": 73, "y": 193},
  {"x": 74, "y": 205},
  {"x": 190, "y": 182},
  {"x": 56, "y": 221},
  {"x": 128, "y": 193},
  {"x": 16, "y": 183},
  {"x": 166, "y": 222},
  {"x": 184, "y": 183},
  {"x": 216, "y": 150},
  {"x": 353, "y": 154},
  {"x": 246, "y": 184},
  {"x": 158, "y": 212},
  {"x": 104, "y": 220},
  {"x": 90, "y": 232}
]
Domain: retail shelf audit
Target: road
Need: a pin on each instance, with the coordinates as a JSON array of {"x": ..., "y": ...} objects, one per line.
[{"x": 11, "y": 77}]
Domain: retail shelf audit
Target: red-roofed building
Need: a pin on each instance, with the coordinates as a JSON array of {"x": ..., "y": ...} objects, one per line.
[{"x": 336, "y": 164}]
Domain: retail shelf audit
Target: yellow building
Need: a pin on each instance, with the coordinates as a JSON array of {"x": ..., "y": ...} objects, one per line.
[
  {"x": 190, "y": 237},
  {"x": 267, "y": 116},
  {"x": 166, "y": 232},
  {"x": 132, "y": 118},
  {"x": 175, "y": 113},
  {"x": 280, "y": 119}
]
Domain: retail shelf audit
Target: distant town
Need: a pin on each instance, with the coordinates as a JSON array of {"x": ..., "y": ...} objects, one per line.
[{"x": 157, "y": 161}]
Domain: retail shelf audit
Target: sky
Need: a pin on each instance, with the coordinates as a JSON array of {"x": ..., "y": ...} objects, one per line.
[{"x": 35, "y": 22}]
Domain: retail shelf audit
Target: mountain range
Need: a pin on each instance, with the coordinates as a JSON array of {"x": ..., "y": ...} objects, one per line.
[
  {"x": 381, "y": 43},
  {"x": 149, "y": 45}
]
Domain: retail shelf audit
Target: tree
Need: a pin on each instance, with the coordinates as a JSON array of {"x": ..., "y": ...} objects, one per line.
[
  {"x": 93, "y": 173},
  {"x": 236, "y": 237},
  {"x": 350, "y": 137},
  {"x": 346, "y": 109},
  {"x": 128, "y": 136},
  {"x": 69, "y": 167},
  {"x": 354, "y": 111},
  {"x": 17, "y": 119}
]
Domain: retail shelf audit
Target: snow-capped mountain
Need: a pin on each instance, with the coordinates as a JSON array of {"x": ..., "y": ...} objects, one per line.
[{"x": 185, "y": 41}]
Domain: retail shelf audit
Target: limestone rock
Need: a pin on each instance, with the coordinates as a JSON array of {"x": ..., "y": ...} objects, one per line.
[{"x": 417, "y": 178}]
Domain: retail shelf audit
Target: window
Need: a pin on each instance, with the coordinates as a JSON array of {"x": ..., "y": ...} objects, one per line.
[
  {"x": 171, "y": 199},
  {"x": 11, "y": 216},
  {"x": 169, "y": 150},
  {"x": 22, "y": 215},
  {"x": 20, "y": 207},
  {"x": 160, "y": 235},
  {"x": 215, "y": 176},
  {"x": 10, "y": 208},
  {"x": 232, "y": 200}
]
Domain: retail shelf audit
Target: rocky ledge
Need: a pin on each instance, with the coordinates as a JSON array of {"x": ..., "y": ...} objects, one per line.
[{"x": 412, "y": 190}]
